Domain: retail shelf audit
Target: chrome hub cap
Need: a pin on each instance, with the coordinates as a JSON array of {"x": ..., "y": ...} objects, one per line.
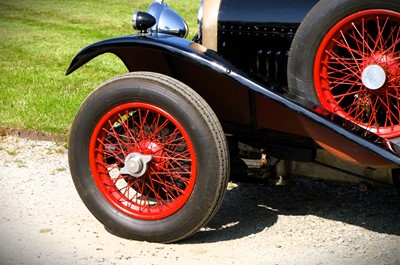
[
  {"x": 373, "y": 77},
  {"x": 136, "y": 164}
]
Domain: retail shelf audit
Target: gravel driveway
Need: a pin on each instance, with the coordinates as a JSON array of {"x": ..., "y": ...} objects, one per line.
[{"x": 43, "y": 221}]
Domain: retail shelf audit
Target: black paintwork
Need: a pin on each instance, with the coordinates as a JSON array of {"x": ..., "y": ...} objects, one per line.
[
  {"x": 260, "y": 50},
  {"x": 264, "y": 11},
  {"x": 354, "y": 137},
  {"x": 256, "y": 36}
]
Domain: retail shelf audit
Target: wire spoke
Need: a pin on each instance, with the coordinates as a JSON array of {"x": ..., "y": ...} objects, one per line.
[
  {"x": 358, "y": 41},
  {"x": 168, "y": 179}
]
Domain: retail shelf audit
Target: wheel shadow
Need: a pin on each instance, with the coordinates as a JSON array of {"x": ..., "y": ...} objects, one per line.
[
  {"x": 250, "y": 208},
  {"x": 242, "y": 213}
]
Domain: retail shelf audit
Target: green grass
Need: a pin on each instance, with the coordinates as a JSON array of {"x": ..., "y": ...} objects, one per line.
[{"x": 38, "y": 40}]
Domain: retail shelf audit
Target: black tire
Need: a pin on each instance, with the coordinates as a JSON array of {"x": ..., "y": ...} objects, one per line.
[
  {"x": 329, "y": 57},
  {"x": 185, "y": 181}
]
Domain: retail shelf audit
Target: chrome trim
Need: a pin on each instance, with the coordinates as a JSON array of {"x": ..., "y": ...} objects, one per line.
[
  {"x": 200, "y": 12},
  {"x": 168, "y": 21},
  {"x": 142, "y": 21},
  {"x": 200, "y": 20}
]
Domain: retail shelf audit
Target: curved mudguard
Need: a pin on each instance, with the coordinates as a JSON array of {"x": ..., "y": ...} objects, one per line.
[
  {"x": 171, "y": 55},
  {"x": 127, "y": 47}
]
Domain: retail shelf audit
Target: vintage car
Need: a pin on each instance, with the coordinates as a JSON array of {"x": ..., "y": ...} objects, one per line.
[{"x": 266, "y": 88}]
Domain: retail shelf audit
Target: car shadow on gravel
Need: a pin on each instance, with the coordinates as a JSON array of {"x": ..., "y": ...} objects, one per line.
[{"x": 251, "y": 208}]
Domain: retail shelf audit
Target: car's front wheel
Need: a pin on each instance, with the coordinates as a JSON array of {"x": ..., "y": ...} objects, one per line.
[
  {"x": 345, "y": 57},
  {"x": 148, "y": 157}
]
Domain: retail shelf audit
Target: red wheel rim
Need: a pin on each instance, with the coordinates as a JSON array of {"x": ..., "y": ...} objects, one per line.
[
  {"x": 357, "y": 70},
  {"x": 143, "y": 129}
]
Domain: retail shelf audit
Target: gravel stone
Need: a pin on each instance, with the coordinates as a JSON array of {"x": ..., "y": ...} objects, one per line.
[{"x": 43, "y": 221}]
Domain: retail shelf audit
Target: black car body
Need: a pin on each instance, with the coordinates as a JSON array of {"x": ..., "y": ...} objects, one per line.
[{"x": 294, "y": 87}]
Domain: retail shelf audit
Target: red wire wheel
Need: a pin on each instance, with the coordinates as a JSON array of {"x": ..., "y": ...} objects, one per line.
[
  {"x": 357, "y": 70},
  {"x": 148, "y": 157},
  {"x": 142, "y": 161}
]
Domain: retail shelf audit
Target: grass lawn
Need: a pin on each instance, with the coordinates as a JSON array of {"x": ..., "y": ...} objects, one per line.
[{"x": 38, "y": 40}]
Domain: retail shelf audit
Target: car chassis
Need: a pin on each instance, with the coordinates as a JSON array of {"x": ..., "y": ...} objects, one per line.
[{"x": 151, "y": 151}]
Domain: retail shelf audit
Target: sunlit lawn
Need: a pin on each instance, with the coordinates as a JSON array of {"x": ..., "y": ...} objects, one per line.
[{"x": 38, "y": 39}]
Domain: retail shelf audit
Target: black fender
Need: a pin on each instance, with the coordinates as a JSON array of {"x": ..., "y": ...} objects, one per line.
[
  {"x": 139, "y": 52},
  {"x": 223, "y": 86}
]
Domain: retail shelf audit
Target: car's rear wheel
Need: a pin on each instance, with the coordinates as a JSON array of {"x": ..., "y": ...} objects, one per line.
[
  {"x": 148, "y": 157},
  {"x": 345, "y": 57}
]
